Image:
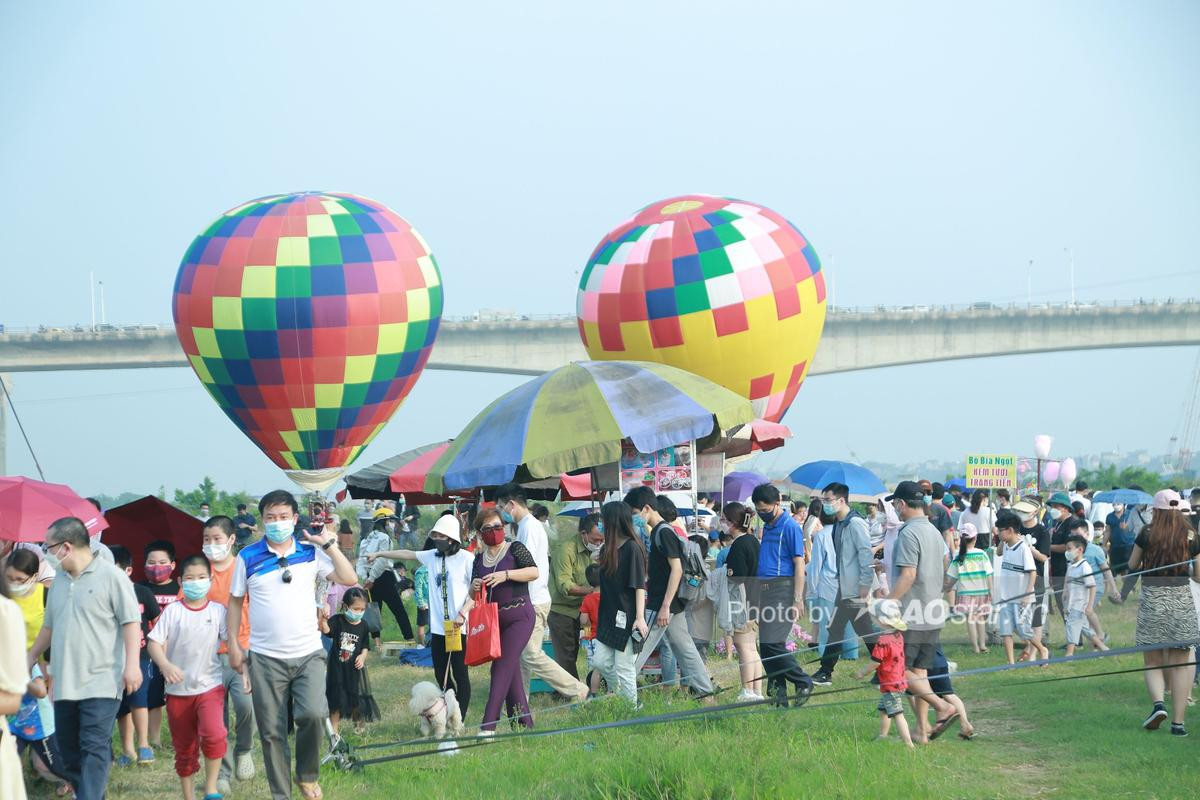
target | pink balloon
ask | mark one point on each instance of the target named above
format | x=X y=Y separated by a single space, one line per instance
x=1041 y=445
x=1050 y=472
x=1067 y=471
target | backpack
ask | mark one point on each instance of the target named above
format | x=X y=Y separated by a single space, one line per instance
x=691 y=585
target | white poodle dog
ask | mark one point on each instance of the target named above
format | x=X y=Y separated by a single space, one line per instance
x=437 y=714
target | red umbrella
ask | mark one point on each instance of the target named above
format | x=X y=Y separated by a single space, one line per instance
x=578 y=487
x=759 y=435
x=137 y=524
x=27 y=507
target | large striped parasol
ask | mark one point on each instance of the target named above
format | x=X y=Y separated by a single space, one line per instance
x=577 y=416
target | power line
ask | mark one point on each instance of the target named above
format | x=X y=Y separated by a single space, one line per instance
x=17 y=417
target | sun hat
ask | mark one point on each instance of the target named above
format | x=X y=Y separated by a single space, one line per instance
x=1059 y=499
x=1026 y=507
x=887 y=612
x=448 y=526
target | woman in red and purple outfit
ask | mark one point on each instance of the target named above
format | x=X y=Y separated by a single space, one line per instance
x=506 y=568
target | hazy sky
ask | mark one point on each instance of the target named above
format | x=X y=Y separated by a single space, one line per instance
x=927 y=150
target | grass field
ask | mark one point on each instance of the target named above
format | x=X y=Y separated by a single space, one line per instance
x=1062 y=739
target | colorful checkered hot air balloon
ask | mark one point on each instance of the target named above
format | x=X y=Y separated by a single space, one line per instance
x=308 y=317
x=722 y=288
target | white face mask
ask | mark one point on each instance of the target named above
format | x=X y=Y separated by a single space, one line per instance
x=593 y=548
x=22 y=589
x=1055 y=514
x=216 y=552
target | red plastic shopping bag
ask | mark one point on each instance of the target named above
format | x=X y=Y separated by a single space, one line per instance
x=483 y=632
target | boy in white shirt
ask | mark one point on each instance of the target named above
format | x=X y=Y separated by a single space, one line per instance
x=1080 y=590
x=1015 y=587
x=184 y=645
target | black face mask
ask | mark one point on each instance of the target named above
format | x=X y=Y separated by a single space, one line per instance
x=446 y=547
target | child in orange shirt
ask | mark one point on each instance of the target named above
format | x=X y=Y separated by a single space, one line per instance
x=589 y=612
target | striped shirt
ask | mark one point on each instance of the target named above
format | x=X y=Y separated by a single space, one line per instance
x=972 y=574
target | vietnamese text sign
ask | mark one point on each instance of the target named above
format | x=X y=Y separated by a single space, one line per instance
x=990 y=471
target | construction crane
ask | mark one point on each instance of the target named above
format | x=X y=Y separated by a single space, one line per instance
x=1182 y=447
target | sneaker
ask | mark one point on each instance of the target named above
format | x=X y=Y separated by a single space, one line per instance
x=145 y=756
x=124 y=761
x=1155 y=719
x=822 y=678
x=748 y=696
x=485 y=734
x=245 y=767
x=1177 y=729
x=223 y=786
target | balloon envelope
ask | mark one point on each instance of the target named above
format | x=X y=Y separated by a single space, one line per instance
x=725 y=289
x=308 y=317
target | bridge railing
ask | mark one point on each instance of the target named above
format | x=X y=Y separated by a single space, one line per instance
x=982 y=307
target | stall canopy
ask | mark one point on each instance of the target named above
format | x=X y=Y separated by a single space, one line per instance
x=137 y=524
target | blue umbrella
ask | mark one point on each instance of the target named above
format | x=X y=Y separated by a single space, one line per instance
x=865 y=486
x=960 y=483
x=1128 y=497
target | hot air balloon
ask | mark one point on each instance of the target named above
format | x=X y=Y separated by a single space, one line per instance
x=725 y=289
x=308 y=317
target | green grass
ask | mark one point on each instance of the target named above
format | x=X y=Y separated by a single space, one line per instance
x=1066 y=739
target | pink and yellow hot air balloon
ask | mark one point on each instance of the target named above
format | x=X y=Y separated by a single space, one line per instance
x=723 y=288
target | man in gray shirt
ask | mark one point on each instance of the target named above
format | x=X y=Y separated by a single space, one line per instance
x=92 y=621
x=920 y=557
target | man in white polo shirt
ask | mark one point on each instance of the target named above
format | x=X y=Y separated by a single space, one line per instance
x=279 y=573
x=510 y=499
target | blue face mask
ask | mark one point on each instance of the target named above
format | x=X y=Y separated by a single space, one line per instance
x=928 y=499
x=828 y=509
x=196 y=588
x=506 y=517
x=280 y=531
x=354 y=616
x=640 y=524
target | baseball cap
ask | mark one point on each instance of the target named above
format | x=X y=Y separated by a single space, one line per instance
x=448 y=526
x=380 y=513
x=1169 y=500
x=906 y=490
x=967 y=530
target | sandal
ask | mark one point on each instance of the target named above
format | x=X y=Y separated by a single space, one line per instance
x=942 y=724
x=967 y=735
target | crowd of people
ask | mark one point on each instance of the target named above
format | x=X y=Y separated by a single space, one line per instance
x=221 y=642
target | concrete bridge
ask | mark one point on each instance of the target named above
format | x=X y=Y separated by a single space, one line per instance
x=854 y=339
